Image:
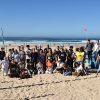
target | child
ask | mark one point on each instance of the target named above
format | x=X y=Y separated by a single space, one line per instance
x=39 y=67
x=5 y=66
x=49 y=66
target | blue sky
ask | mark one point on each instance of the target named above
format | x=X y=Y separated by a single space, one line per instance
x=50 y=18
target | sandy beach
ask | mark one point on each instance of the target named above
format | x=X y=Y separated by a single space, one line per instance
x=50 y=87
x=49 y=50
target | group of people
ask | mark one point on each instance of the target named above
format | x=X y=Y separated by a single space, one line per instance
x=25 y=62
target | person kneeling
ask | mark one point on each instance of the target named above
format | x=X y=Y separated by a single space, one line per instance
x=79 y=71
x=49 y=67
x=59 y=68
x=39 y=67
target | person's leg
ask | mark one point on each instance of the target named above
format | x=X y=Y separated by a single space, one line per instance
x=96 y=54
x=93 y=64
x=39 y=72
x=99 y=67
x=6 y=71
x=42 y=71
x=67 y=73
x=46 y=71
x=50 y=71
x=70 y=63
x=89 y=58
x=55 y=70
x=3 y=71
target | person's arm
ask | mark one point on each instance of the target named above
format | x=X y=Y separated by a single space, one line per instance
x=46 y=57
x=98 y=56
x=86 y=46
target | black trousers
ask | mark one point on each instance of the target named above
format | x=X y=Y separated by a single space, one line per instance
x=90 y=55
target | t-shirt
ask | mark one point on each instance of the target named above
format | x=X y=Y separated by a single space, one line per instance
x=22 y=55
x=62 y=56
x=89 y=46
x=70 y=56
x=34 y=56
x=80 y=56
x=80 y=68
x=16 y=57
x=2 y=55
x=96 y=47
x=41 y=58
x=5 y=64
x=49 y=65
x=28 y=53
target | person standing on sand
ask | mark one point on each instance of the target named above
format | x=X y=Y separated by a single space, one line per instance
x=16 y=56
x=89 y=48
x=95 y=53
x=22 y=54
x=2 y=54
x=98 y=61
x=49 y=65
x=62 y=55
x=5 y=66
x=59 y=67
x=80 y=56
x=39 y=67
x=42 y=59
x=70 y=57
x=28 y=55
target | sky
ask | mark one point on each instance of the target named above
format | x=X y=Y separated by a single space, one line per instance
x=50 y=18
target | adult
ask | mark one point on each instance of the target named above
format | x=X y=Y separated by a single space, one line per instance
x=28 y=54
x=89 y=48
x=70 y=57
x=22 y=54
x=2 y=54
x=62 y=55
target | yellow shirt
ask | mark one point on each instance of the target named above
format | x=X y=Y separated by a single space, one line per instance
x=80 y=56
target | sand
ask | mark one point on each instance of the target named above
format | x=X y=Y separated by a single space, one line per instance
x=50 y=87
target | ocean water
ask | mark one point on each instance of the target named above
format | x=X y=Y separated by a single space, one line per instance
x=40 y=41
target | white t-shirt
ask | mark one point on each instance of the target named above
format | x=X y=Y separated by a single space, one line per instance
x=5 y=64
x=80 y=68
x=96 y=47
x=28 y=53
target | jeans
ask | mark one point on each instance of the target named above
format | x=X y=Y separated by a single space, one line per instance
x=98 y=62
x=94 y=61
x=67 y=73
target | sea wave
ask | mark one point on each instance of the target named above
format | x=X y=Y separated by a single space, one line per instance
x=42 y=42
